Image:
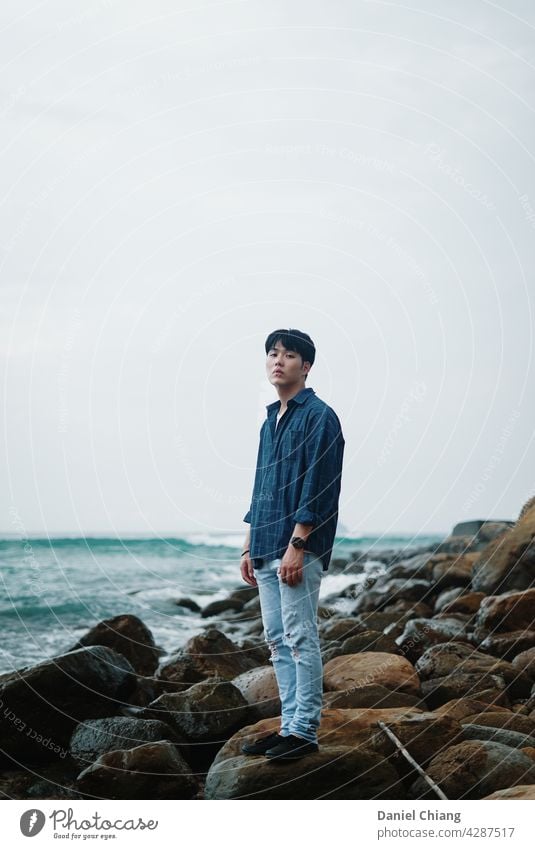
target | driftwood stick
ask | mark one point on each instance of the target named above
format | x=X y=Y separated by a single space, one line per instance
x=411 y=760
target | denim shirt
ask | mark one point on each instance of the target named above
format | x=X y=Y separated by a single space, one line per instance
x=297 y=479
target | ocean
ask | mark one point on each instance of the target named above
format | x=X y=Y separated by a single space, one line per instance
x=55 y=589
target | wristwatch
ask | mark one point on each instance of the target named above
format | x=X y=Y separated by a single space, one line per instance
x=298 y=542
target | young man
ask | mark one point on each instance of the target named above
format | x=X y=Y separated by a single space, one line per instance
x=292 y=518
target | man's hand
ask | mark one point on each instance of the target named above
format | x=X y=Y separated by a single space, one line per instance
x=291 y=568
x=247 y=571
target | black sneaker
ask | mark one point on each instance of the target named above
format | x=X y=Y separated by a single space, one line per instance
x=291 y=748
x=262 y=745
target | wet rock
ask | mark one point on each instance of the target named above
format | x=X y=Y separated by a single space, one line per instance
x=206 y=712
x=97 y=736
x=43 y=703
x=458 y=658
x=150 y=771
x=207 y=655
x=340 y=629
x=393 y=590
x=127 y=635
x=508 y=562
x=349 y=672
x=369 y=641
x=525 y=662
x=221 y=606
x=461 y=602
x=507 y=719
x=508 y=645
x=475 y=768
x=354 y=759
x=370 y=696
x=465 y=707
x=420 y=634
x=476 y=685
x=513 y=611
x=189 y=604
x=259 y=689
x=514 y=739
x=451 y=571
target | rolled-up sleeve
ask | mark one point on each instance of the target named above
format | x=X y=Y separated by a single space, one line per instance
x=247 y=517
x=320 y=487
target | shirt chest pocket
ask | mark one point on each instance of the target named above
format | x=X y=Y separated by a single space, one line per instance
x=293 y=441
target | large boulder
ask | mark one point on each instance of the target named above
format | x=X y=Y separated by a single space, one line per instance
x=97 y=736
x=208 y=711
x=481 y=686
x=455 y=658
x=513 y=611
x=507 y=645
x=473 y=769
x=42 y=704
x=207 y=655
x=260 y=690
x=420 y=634
x=387 y=592
x=508 y=562
x=355 y=760
x=150 y=771
x=127 y=635
x=351 y=671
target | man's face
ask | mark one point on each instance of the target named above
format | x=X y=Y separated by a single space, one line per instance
x=284 y=367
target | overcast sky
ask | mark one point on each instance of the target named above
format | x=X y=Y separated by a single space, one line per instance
x=180 y=178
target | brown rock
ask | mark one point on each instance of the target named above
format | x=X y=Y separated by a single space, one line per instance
x=127 y=635
x=508 y=562
x=502 y=719
x=370 y=641
x=521 y=791
x=525 y=662
x=150 y=771
x=513 y=611
x=370 y=696
x=259 y=689
x=467 y=603
x=461 y=708
x=351 y=671
x=509 y=644
x=452 y=572
x=450 y=659
x=207 y=655
x=475 y=768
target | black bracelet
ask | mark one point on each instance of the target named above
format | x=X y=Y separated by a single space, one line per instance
x=245 y=552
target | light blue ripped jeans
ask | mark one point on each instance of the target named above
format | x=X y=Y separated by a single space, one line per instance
x=289 y=616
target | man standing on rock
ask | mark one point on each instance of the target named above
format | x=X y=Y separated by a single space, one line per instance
x=293 y=517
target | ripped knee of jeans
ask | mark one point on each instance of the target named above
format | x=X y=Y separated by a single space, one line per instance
x=299 y=635
x=273 y=645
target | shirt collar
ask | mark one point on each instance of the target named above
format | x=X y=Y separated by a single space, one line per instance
x=300 y=398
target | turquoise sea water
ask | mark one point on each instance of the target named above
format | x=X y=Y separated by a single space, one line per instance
x=54 y=590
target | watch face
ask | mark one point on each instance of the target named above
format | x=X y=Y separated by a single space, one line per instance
x=297 y=542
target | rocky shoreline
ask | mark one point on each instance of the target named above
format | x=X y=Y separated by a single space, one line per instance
x=429 y=682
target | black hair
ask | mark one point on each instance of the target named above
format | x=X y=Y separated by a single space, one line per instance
x=293 y=340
